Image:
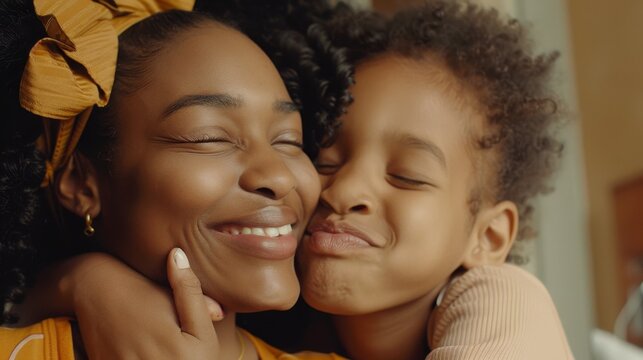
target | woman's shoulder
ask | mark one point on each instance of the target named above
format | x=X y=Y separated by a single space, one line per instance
x=50 y=339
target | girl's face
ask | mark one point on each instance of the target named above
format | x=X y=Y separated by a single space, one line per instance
x=208 y=159
x=394 y=220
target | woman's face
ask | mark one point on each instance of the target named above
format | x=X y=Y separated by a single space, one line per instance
x=393 y=221
x=208 y=159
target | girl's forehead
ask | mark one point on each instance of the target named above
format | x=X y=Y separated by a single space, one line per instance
x=419 y=94
x=402 y=103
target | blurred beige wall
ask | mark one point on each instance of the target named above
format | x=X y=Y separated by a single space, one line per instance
x=607 y=41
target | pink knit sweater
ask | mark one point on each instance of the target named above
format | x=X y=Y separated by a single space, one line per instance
x=496 y=313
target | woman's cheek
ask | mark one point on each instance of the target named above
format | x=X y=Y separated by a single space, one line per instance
x=190 y=183
x=308 y=184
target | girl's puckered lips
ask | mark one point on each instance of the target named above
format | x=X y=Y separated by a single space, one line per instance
x=345 y=234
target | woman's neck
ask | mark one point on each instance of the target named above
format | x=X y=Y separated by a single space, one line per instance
x=395 y=333
x=232 y=343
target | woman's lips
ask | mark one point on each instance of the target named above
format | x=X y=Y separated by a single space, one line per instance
x=266 y=233
x=280 y=247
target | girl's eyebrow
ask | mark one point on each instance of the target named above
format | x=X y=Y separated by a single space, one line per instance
x=425 y=145
x=215 y=100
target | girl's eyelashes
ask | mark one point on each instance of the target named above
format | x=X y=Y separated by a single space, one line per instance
x=409 y=182
x=326 y=168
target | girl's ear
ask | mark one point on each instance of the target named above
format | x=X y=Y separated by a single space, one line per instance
x=77 y=187
x=492 y=235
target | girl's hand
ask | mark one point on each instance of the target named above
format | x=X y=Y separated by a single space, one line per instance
x=123 y=315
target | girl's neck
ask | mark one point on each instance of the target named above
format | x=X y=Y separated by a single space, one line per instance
x=394 y=333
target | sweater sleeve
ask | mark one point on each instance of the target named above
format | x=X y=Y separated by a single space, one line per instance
x=496 y=313
x=50 y=339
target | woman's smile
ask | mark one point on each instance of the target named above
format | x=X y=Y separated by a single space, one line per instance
x=266 y=233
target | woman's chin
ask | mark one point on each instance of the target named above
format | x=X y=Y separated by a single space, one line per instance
x=263 y=295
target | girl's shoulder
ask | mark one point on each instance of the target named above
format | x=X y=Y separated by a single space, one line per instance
x=501 y=308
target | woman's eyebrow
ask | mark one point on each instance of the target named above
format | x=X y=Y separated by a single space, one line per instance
x=214 y=100
x=285 y=107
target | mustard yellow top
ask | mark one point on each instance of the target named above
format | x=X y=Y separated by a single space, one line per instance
x=267 y=352
x=51 y=339
x=46 y=340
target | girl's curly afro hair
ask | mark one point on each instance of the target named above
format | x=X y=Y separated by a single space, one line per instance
x=492 y=57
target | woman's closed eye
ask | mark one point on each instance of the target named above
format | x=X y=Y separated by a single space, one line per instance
x=295 y=143
x=290 y=147
x=202 y=139
x=288 y=141
x=199 y=143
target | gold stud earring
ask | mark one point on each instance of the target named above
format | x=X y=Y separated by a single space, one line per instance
x=89 y=229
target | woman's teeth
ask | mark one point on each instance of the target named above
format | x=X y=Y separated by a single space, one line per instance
x=262 y=231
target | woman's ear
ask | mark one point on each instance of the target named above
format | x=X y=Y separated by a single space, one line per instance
x=492 y=235
x=77 y=187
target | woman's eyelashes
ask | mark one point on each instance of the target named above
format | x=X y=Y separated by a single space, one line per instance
x=293 y=143
x=202 y=139
x=192 y=139
x=288 y=141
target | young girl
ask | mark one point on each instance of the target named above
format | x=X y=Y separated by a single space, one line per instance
x=440 y=155
x=194 y=147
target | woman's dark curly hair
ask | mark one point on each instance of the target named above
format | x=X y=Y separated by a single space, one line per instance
x=492 y=58
x=29 y=236
x=316 y=72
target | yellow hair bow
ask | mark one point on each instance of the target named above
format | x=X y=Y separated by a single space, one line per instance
x=72 y=69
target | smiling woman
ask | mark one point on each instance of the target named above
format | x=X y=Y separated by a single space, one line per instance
x=167 y=188
x=192 y=148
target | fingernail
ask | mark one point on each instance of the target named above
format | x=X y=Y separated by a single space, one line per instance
x=215 y=312
x=180 y=259
x=214 y=309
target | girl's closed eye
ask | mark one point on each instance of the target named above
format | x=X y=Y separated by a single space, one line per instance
x=326 y=168
x=410 y=181
x=328 y=161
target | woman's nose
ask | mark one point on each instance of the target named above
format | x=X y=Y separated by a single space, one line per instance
x=267 y=174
